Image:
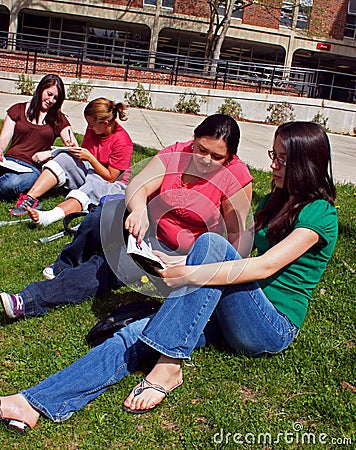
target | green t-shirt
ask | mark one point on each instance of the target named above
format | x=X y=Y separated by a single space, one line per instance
x=291 y=288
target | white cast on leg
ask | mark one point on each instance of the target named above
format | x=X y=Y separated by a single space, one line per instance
x=45 y=218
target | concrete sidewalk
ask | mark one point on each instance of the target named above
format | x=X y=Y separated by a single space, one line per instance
x=158 y=129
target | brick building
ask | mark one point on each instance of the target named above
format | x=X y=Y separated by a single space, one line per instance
x=299 y=33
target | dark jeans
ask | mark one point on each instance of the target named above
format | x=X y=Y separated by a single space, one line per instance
x=86 y=243
x=94 y=263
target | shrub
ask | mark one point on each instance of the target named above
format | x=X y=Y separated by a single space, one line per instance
x=188 y=103
x=79 y=91
x=25 y=84
x=280 y=113
x=321 y=119
x=231 y=108
x=138 y=98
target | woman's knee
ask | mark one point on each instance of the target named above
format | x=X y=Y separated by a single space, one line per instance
x=209 y=248
x=56 y=170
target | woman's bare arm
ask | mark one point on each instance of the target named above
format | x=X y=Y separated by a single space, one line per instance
x=247 y=269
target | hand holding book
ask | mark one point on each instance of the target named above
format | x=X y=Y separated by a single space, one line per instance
x=143 y=256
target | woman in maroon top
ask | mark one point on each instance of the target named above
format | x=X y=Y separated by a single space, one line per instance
x=32 y=128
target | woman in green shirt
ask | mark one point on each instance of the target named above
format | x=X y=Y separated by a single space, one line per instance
x=256 y=305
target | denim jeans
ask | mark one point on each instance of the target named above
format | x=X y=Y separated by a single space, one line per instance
x=189 y=318
x=99 y=231
x=85 y=244
x=93 y=264
x=12 y=184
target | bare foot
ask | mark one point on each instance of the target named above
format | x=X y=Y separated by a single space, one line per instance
x=33 y=213
x=167 y=373
x=16 y=407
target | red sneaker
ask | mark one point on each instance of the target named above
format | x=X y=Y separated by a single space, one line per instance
x=23 y=202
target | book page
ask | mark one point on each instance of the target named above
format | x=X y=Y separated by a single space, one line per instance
x=143 y=256
x=14 y=166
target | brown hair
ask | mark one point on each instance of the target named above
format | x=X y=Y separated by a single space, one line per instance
x=52 y=116
x=102 y=109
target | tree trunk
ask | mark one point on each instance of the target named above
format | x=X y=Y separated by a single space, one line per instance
x=220 y=38
x=227 y=22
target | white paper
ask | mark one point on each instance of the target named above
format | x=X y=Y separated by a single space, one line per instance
x=143 y=250
x=14 y=166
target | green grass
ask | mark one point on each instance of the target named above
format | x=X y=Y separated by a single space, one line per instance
x=302 y=387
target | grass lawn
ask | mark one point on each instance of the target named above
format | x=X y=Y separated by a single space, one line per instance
x=301 y=398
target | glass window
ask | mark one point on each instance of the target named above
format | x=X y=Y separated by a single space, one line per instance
x=352 y=6
x=165 y=3
x=4 y=20
x=301 y=9
x=304 y=12
x=237 y=12
x=168 y=3
x=350 y=26
x=34 y=22
x=286 y=18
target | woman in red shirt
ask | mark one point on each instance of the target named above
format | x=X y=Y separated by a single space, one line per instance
x=101 y=166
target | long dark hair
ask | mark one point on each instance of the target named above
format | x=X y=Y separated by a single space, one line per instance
x=308 y=177
x=221 y=126
x=52 y=116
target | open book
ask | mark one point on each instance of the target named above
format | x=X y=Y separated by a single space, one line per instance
x=55 y=150
x=14 y=166
x=143 y=256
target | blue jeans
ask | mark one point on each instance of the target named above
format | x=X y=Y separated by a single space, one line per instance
x=190 y=317
x=85 y=244
x=93 y=264
x=12 y=184
x=101 y=228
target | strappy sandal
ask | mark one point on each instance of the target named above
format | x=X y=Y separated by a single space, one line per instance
x=145 y=384
x=14 y=424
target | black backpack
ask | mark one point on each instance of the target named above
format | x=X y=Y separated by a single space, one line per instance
x=119 y=318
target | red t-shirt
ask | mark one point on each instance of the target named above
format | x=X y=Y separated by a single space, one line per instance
x=30 y=138
x=185 y=211
x=114 y=150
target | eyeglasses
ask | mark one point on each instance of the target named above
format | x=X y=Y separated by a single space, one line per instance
x=273 y=157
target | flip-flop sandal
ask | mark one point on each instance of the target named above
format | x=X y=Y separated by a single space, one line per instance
x=145 y=384
x=14 y=424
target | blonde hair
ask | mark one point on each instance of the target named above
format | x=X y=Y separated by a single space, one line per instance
x=102 y=109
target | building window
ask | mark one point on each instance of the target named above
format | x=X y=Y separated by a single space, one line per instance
x=296 y=10
x=165 y=3
x=350 y=26
x=286 y=18
x=67 y=37
x=237 y=12
x=304 y=12
x=352 y=7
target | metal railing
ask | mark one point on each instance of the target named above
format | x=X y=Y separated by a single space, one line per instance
x=222 y=74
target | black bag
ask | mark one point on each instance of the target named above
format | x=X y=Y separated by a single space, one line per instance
x=119 y=318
